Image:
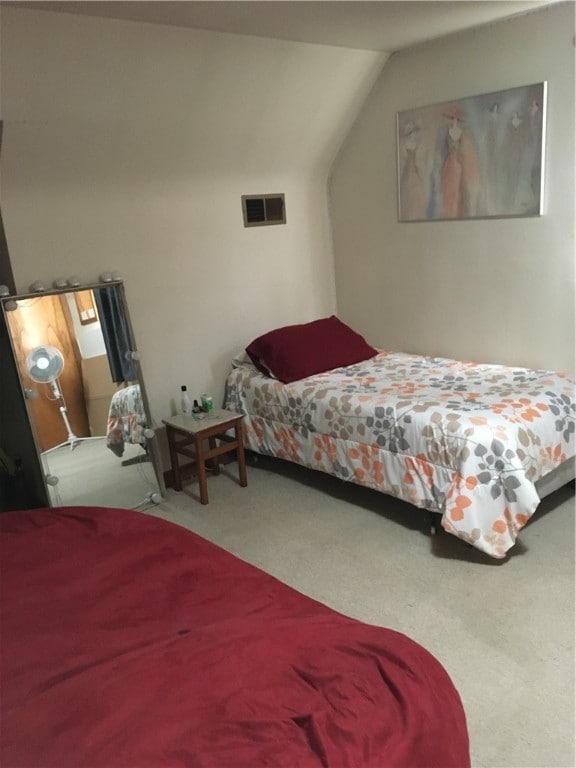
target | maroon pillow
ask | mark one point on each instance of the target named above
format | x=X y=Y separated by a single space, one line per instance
x=296 y=351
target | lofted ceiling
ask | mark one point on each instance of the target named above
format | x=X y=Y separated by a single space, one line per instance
x=381 y=25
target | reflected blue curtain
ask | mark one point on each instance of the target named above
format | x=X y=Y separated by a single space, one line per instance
x=116 y=333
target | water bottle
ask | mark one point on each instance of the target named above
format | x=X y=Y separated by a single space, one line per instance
x=185 y=403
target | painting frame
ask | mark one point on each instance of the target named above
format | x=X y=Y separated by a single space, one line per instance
x=477 y=157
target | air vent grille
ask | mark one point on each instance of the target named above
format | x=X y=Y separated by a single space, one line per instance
x=260 y=210
x=255 y=210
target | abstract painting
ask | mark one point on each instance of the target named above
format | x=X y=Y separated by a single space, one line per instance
x=477 y=157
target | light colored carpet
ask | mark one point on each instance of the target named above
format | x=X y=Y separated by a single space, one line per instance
x=504 y=630
x=92 y=475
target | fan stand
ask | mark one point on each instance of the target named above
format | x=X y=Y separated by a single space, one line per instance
x=72 y=440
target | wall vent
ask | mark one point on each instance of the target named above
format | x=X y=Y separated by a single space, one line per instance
x=261 y=210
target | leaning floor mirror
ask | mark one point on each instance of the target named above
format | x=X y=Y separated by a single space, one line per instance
x=85 y=397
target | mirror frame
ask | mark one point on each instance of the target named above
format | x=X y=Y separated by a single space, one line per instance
x=152 y=445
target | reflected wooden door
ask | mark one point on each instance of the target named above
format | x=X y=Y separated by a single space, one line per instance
x=40 y=321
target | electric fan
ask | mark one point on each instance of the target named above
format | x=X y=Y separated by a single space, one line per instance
x=44 y=365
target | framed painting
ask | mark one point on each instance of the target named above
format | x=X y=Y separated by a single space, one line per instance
x=477 y=157
x=86 y=307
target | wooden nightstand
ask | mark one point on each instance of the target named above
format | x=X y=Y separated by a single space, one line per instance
x=187 y=436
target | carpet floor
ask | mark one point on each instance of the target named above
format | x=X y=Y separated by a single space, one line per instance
x=92 y=475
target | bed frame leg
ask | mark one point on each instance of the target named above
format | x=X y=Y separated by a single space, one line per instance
x=434 y=521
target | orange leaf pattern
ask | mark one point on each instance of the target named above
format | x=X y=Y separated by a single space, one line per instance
x=467 y=440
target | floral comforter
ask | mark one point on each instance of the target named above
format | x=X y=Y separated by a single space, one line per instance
x=126 y=419
x=467 y=440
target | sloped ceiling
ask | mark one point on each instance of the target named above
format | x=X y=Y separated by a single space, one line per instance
x=386 y=25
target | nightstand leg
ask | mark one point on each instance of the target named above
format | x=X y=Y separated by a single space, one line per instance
x=215 y=462
x=240 y=455
x=174 y=459
x=201 y=467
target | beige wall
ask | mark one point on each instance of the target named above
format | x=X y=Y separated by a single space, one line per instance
x=127 y=147
x=491 y=290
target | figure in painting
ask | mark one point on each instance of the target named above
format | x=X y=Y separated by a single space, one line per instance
x=494 y=171
x=511 y=156
x=524 y=159
x=460 y=184
x=412 y=181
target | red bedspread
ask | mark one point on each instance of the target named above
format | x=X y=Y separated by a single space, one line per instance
x=129 y=642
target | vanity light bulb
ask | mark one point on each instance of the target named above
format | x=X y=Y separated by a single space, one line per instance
x=60 y=282
x=73 y=281
x=51 y=480
x=4 y=290
x=116 y=275
x=106 y=277
x=37 y=287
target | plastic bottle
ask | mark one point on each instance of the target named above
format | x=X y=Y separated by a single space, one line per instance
x=185 y=403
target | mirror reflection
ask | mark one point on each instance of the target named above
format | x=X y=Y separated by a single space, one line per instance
x=85 y=396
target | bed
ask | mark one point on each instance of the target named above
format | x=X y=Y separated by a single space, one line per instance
x=130 y=642
x=478 y=444
x=126 y=419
